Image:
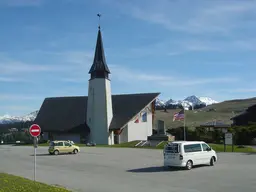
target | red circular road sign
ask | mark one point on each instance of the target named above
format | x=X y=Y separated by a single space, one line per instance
x=34 y=130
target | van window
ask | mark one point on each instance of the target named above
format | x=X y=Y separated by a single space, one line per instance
x=205 y=146
x=172 y=148
x=192 y=148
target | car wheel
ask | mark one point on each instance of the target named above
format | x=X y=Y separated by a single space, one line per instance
x=212 y=161
x=189 y=165
x=56 y=152
x=75 y=151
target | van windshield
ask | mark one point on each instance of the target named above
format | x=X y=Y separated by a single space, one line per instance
x=172 y=148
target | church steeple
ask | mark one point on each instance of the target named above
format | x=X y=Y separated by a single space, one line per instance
x=99 y=68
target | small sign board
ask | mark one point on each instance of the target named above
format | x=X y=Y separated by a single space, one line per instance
x=228 y=139
x=34 y=130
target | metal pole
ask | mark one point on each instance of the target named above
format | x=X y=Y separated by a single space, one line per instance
x=35 y=140
x=184 y=125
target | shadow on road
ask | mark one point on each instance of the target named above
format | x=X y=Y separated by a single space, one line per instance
x=161 y=169
x=47 y=154
x=153 y=169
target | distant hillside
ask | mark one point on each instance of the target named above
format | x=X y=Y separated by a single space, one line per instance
x=220 y=111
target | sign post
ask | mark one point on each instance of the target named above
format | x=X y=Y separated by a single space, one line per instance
x=35 y=131
x=228 y=141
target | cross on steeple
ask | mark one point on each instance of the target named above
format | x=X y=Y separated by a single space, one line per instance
x=99 y=15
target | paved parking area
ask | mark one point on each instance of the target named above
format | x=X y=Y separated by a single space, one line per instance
x=126 y=170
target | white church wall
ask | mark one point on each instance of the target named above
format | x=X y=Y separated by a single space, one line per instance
x=99 y=110
x=124 y=135
x=140 y=130
x=111 y=138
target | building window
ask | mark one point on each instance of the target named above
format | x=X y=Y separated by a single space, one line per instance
x=144 y=117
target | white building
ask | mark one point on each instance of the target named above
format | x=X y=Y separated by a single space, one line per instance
x=101 y=117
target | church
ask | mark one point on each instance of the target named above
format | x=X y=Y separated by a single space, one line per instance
x=100 y=117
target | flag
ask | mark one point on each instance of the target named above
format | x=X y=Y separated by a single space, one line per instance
x=179 y=116
x=144 y=117
x=137 y=120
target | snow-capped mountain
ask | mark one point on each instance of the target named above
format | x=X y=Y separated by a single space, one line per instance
x=207 y=100
x=194 y=100
x=14 y=119
x=188 y=102
x=160 y=103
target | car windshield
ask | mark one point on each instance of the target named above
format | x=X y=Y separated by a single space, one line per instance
x=172 y=148
x=52 y=144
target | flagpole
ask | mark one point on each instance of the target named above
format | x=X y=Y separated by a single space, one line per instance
x=184 y=121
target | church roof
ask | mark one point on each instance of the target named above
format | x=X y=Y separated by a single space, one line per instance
x=99 y=62
x=65 y=113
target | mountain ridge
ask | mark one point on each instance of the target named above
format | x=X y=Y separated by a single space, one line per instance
x=188 y=103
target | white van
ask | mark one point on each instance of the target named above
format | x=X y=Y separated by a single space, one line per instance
x=188 y=153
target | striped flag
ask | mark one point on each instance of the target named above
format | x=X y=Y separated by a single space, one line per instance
x=179 y=115
x=137 y=120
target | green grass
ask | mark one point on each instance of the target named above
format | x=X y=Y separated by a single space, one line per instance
x=223 y=111
x=220 y=148
x=216 y=147
x=11 y=183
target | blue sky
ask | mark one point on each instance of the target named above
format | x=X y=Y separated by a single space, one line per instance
x=179 y=48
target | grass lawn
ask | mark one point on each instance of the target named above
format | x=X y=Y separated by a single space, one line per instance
x=220 y=148
x=11 y=183
x=216 y=147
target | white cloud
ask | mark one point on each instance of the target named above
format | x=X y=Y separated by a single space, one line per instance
x=188 y=45
x=130 y=76
x=243 y=90
x=189 y=16
x=14 y=67
x=79 y=57
x=21 y=3
x=65 y=62
x=18 y=108
x=18 y=97
x=8 y=79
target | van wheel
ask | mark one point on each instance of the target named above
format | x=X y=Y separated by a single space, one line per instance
x=212 y=161
x=75 y=151
x=56 y=152
x=189 y=165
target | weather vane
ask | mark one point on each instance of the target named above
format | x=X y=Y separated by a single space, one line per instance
x=99 y=15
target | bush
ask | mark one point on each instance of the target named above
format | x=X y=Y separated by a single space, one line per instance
x=242 y=135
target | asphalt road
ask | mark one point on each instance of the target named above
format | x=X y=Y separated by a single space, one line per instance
x=126 y=170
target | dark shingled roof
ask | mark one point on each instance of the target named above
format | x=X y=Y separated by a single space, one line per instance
x=216 y=124
x=251 y=109
x=99 y=62
x=66 y=113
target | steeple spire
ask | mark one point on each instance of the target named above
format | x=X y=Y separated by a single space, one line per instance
x=99 y=68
